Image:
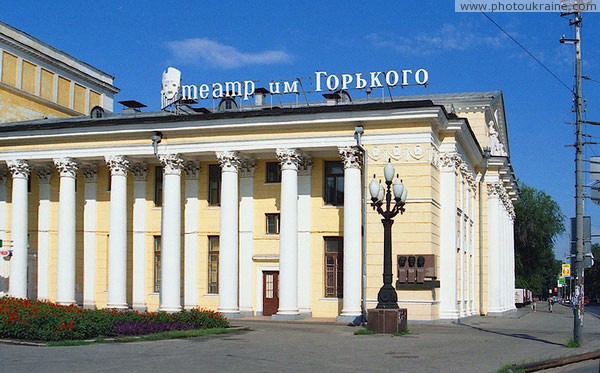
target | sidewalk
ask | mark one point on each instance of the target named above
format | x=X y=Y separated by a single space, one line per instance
x=479 y=344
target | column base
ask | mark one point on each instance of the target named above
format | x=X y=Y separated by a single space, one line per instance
x=169 y=309
x=288 y=315
x=88 y=305
x=449 y=315
x=140 y=307
x=65 y=302
x=231 y=315
x=307 y=313
x=117 y=306
x=246 y=312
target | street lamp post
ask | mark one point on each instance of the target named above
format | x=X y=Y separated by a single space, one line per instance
x=381 y=201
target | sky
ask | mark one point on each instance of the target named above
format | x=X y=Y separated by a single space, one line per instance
x=212 y=41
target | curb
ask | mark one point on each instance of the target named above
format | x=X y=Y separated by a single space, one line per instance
x=19 y=342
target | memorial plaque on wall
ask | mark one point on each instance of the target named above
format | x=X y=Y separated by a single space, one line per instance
x=416 y=269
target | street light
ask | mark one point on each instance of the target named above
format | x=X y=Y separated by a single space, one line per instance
x=380 y=199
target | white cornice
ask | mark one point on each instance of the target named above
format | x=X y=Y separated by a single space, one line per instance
x=314 y=143
x=175 y=127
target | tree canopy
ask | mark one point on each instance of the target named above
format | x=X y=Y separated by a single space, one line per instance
x=539 y=221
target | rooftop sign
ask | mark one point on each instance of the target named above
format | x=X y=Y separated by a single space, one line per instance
x=173 y=91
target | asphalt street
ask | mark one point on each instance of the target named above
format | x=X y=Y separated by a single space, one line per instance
x=479 y=344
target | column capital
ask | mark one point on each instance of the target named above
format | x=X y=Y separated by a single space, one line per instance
x=67 y=166
x=449 y=161
x=139 y=171
x=352 y=156
x=19 y=168
x=292 y=159
x=494 y=189
x=43 y=173
x=172 y=164
x=118 y=164
x=192 y=169
x=230 y=160
x=90 y=172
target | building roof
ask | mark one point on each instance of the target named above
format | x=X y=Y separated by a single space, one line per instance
x=46 y=52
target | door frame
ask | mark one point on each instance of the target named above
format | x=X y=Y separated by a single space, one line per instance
x=259 y=286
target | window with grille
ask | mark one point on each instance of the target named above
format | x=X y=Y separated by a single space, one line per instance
x=157 y=247
x=334 y=267
x=213 y=264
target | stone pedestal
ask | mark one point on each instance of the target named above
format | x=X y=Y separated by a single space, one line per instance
x=387 y=321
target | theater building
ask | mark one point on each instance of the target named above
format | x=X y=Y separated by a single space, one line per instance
x=260 y=210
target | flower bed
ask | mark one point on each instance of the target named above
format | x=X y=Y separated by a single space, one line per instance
x=45 y=321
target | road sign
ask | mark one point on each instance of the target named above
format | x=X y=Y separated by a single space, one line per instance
x=566 y=270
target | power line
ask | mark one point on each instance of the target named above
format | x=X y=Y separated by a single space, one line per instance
x=528 y=52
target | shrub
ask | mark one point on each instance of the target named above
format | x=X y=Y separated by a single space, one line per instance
x=38 y=320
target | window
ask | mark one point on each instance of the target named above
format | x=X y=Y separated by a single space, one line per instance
x=157 y=245
x=214 y=185
x=213 y=264
x=272 y=223
x=273 y=172
x=334 y=267
x=158 y=186
x=334 y=183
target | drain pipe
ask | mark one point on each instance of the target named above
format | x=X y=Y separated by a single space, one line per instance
x=486 y=156
x=358 y=132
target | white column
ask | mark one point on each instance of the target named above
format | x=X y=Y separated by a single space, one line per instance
x=448 y=239
x=228 y=236
x=20 y=171
x=43 y=173
x=190 y=256
x=246 y=173
x=304 y=244
x=288 y=235
x=90 y=176
x=139 y=170
x=170 y=271
x=4 y=264
x=494 y=255
x=474 y=255
x=65 y=272
x=117 y=240
x=352 y=158
x=511 y=235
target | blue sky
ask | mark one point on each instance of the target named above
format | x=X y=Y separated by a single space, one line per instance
x=263 y=40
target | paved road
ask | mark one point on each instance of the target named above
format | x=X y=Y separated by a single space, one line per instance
x=480 y=344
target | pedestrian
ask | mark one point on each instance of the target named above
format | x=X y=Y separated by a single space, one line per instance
x=534 y=305
x=550 y=303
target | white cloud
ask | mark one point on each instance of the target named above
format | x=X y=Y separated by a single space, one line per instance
x=449 y=37
x=212 y=53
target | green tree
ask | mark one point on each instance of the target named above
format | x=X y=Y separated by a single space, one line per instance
x=539 y=221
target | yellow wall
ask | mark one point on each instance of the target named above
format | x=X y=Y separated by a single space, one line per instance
x=38 y=94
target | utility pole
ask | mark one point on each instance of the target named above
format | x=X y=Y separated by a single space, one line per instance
x=577 y=258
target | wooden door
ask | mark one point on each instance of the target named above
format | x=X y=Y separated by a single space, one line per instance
x=270 y=292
